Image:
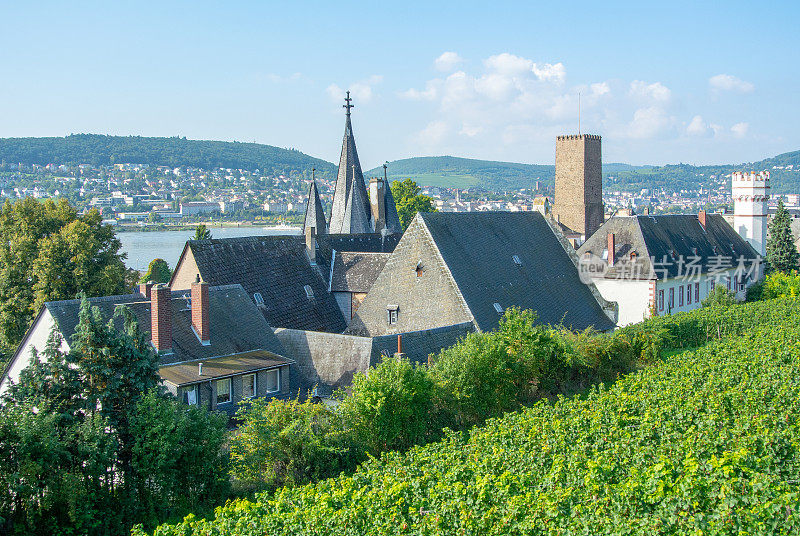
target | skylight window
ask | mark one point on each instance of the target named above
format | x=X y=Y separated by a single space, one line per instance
x=498 y=308
x=309 y=291
x=516 y=260
x=258 y=298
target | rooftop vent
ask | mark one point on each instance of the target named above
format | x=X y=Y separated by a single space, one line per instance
x=309 y=291
x=516 y=260
x=498 y=308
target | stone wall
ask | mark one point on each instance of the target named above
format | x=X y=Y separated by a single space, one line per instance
x=579 y=183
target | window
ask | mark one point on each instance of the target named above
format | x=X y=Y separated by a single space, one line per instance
x=671 y=302
x=728 y=282
x=689 y=294
x=742 y=281
x=223 y=391
x=660 y=300
x=713 y=284
x=191 y=395
x=498 y=308
x=516 y=260
x=391 y=314
x=696 y=292
x=309 y=291
x=258 y=298
x=273 y=381
x=680 y=296
x=248 y=386
x=419 y=269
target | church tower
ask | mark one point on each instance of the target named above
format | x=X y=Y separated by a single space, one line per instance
x=750 y=196
x=315 y=214
x=578 y=203
x=350 y=210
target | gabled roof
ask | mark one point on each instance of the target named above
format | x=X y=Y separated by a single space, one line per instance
x=277 y=268
x=479 y=249
x=315 y=214
x=235 y=323
x=672 y=240
x=390 y=211
x=356 y=272
x=364 y=243
x=350 y=211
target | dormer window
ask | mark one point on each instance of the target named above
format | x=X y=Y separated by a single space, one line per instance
x=391 y=314
x=259 y=299
x=309 y=291
x=418 y=269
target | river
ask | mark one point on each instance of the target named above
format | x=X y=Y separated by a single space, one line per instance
x=143 y=247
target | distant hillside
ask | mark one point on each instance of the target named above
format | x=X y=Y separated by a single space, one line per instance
x=451 y=172
x=174 y=152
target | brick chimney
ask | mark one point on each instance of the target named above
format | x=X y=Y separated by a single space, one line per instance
x=144 y=289
x=611 y=249
x=311 y=245
x=702 y=217
x=200 y=311
x=161 y=318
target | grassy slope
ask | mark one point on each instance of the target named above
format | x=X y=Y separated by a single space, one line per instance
x=707 y=441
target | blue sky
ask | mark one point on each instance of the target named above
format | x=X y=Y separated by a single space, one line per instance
x=696 y=82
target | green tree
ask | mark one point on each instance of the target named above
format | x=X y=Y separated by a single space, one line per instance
x=409 y=201
x=782 y=254
x=158 y=271
x=719 y=296
x=154 y=217
x=49 y=252
x=202 y=233
x=391 y=408
x=286 y=442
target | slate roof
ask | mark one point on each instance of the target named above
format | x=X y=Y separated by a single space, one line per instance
x=356 y=272
x=221 y=367
x=667 y=239
x=478 y=249
x=364 y=243
x=350 y=212
x=235 y=323
x=315 y=214
x=276 y=267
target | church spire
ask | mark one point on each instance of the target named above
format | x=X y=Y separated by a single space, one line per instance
x=315 y=214
x=350 y=208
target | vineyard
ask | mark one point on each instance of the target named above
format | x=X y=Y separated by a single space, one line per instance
x=704 y=442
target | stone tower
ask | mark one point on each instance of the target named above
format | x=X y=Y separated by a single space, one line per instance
x=750 y=196
x=578 y=201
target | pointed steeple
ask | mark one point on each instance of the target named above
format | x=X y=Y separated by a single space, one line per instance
x=392 y=218
x=315 y=214
x=347 y=215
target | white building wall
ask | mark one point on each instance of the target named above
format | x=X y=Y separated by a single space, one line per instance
x=632 y=296
x=750 y=192
x=36 y=338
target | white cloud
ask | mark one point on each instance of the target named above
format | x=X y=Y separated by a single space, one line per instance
x=430 y=92
x=698 y=127
x=433 y=134
x=600 y=88
x=648 y=123
x=550 y=72
x=361 y=90
x=447 y=61
x=509 y=64
x=740 y=129
x=655 y=91
x=727 y=82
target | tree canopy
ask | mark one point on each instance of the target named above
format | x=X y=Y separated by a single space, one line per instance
x=782 y=254
x=158 y=272
x=50 y=252
x=202 y=232
x=409 y=201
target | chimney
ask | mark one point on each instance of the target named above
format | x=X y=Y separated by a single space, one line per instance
x=200 y=369
x=399 y=344
x=311 y=245
x=377 y=198
x=161 y=318
x=145 y=288
x=702 y=217
x=200 y=311
x=611 y=249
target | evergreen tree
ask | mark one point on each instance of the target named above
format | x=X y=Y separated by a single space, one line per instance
x=202 y=233
x=782 y=254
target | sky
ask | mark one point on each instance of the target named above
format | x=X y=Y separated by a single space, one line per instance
x=668 y=82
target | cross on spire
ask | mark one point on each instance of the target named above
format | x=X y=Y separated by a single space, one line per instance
x=347 y=104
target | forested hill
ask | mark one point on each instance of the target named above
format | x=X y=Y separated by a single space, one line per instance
x=449 y=171
x=97 y=149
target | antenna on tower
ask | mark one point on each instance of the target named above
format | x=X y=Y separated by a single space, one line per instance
x=579 y=113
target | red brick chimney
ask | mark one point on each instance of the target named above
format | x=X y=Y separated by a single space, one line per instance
x=611 y=249
x=144 y=289
x=200 y=314
x=161 y=318
x=702 y=217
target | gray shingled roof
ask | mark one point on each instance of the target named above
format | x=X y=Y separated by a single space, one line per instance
x=356 y=272
x=315 y=214
x=221 y=367
x=350 y=192
x=478 y=249
x=667 y=239
x=235 y=323
x=276 y=267
x=365 y=243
